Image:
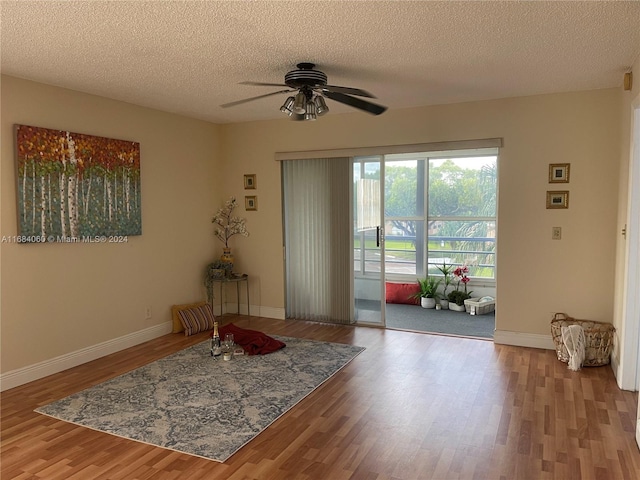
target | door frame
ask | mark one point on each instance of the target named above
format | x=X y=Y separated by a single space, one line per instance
x=380 y=237
x=630 y=371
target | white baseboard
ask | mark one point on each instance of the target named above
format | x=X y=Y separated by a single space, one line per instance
x=28 y=374
x=519 y=339
x=617 y=372
x=270 y=312
x=256 y=310
x=622 y=381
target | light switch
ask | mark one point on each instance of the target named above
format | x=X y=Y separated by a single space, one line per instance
x=556 y=233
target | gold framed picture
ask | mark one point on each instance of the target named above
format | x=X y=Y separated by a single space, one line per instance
x=251 y=203
x=559 y=172
x=558 y=199
x=250 y=181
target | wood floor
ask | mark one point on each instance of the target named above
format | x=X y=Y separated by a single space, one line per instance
x=411 y=406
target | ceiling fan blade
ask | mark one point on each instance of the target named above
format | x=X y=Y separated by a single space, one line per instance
x=238 y=102
x=262 y=84
x=347 y=90
x=356 y=102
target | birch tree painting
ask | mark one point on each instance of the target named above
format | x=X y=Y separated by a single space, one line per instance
x=72 y=185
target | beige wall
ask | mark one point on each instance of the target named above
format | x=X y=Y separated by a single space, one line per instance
x=536 y=275
x=60 y=298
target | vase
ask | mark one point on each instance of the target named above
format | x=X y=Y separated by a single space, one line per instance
x=428 y=302
x=455 y=307
x=227 y=257
x=444 y=304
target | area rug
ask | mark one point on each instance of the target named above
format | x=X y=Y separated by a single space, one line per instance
x=195 y=404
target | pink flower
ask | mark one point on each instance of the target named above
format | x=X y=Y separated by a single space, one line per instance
x=461 y=274
x=461 y=271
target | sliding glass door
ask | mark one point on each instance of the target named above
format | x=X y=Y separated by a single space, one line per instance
x=407 y=214
x=368 y=240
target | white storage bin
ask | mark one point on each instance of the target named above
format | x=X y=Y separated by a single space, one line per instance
x=480 y=307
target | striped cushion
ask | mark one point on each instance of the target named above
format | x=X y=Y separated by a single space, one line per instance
x=196 y=319
x=177 y=323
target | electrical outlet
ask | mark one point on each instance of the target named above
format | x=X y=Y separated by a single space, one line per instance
x=147 y=313
x=556 y=233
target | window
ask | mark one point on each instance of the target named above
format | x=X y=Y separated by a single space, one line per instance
x=439 y=207
x=462 y=214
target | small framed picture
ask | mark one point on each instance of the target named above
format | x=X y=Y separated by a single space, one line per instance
x=250 y=181
x=558 y=199
x=251 y=203
x=559 y=172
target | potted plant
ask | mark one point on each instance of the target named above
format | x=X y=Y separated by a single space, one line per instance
x=446 y=271
x=428 y=293
x=227 y=226
x=457 y=297
x=215 y=272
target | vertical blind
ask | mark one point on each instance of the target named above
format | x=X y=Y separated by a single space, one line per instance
x=317 y=239
x=368 y=215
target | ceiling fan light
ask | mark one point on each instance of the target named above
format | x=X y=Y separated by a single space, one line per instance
x=310 y=113
x=321 y=105
x=287 y=106
x=300 y=103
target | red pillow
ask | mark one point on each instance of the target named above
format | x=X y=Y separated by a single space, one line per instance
x=402 y=293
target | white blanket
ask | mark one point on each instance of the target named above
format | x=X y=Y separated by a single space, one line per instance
x=573 y=338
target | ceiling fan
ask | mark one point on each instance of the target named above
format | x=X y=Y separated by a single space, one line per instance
x=311 y=86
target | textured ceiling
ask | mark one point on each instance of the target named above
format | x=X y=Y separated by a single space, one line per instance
x=188 y=57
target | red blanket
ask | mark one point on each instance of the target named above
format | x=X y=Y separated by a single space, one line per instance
x=253 y=342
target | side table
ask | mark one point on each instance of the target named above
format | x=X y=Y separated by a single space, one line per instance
x=236 y=278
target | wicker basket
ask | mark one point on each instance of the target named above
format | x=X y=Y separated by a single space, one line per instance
x=598 y=337
x=480 y=307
